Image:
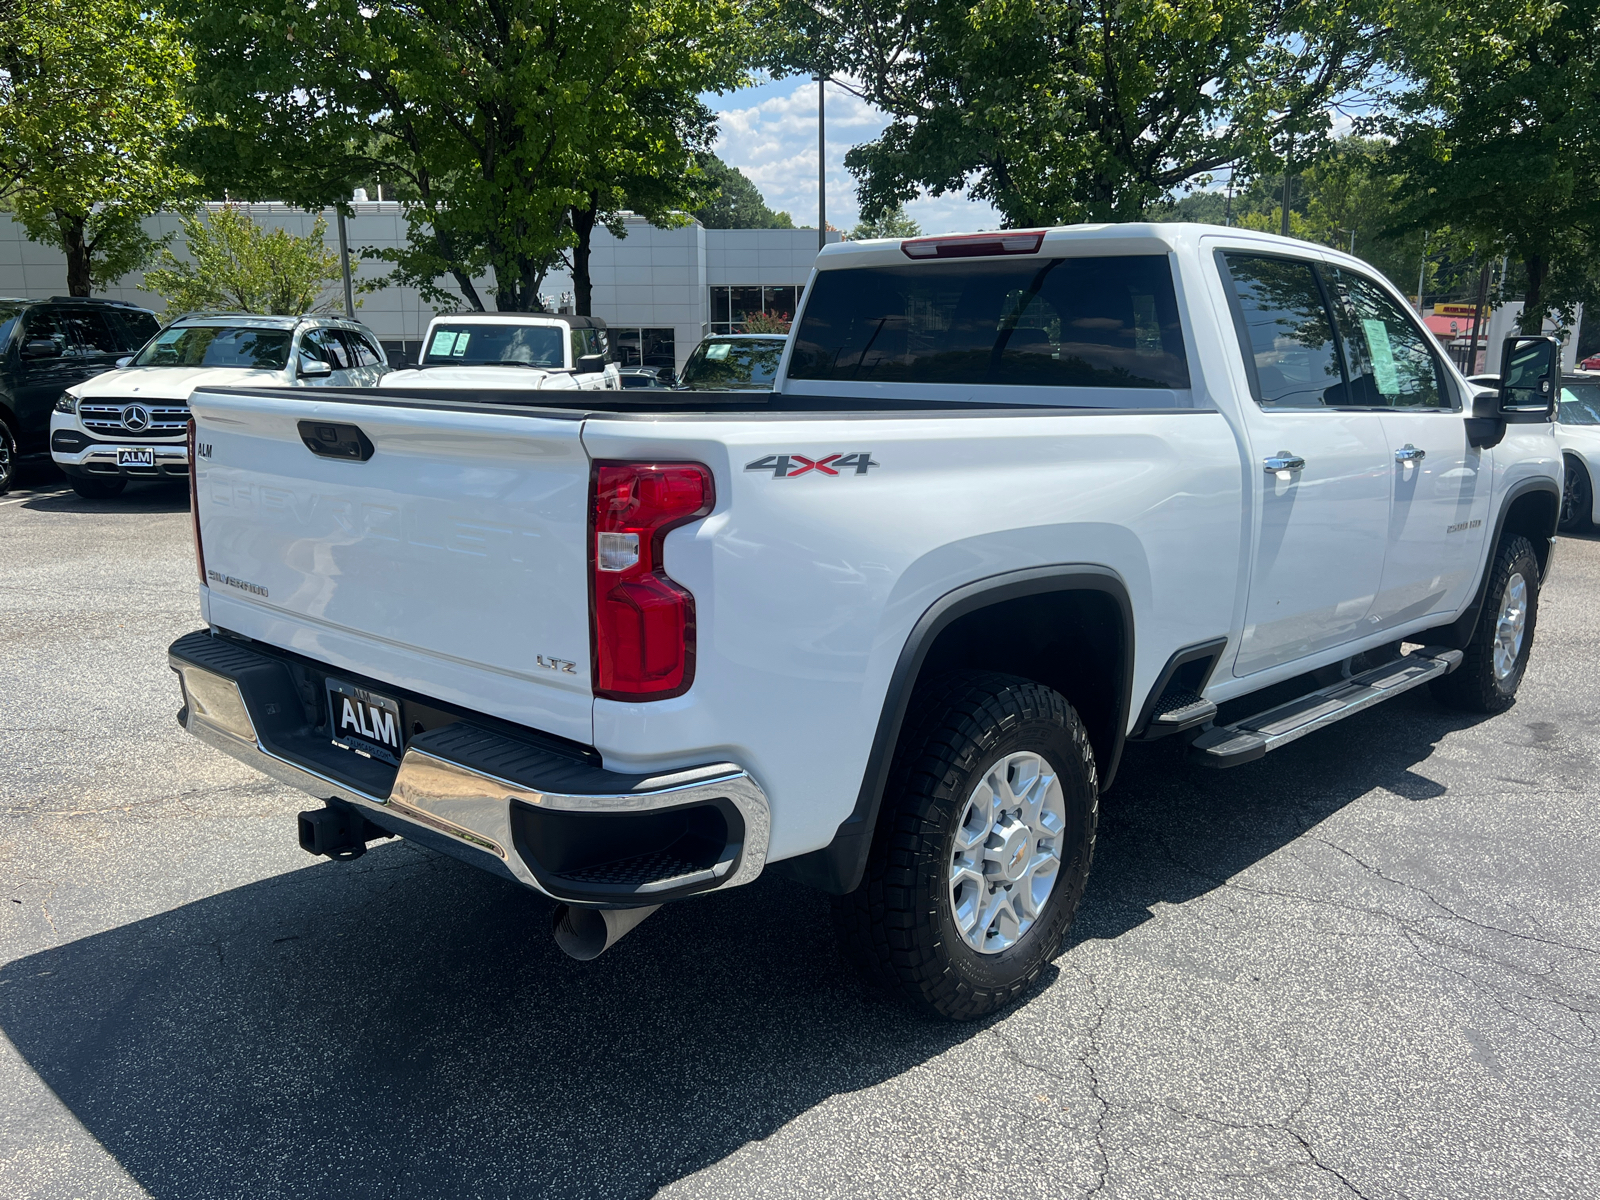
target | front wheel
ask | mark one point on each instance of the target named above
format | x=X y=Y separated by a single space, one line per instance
x=1495 y=659
x=8 y=458
x=1577 y=498
x=983 y=849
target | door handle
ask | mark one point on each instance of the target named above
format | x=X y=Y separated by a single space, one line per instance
x=1409 y=453
x=1282 y=461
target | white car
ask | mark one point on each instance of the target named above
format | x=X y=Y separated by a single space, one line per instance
x=1578 y=433
x=132 y=422
x=1015 y=500
x=512 y=352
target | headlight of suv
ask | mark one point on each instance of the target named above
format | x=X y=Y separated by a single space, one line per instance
x=68 y=403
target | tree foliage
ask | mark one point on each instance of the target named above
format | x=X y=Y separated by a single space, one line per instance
x=1500 y=138
x=736 y=204
x=505 y=125
x=892 y=223
x=235 y=265
x=1058 y=111
x=90 y=94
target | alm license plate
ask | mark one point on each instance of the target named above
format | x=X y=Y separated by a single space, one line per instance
x=365 y=721
x=136 y=458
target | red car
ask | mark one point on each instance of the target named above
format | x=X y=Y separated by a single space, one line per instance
x=1592 y=363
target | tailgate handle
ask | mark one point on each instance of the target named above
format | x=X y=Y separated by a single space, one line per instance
x=329 y=439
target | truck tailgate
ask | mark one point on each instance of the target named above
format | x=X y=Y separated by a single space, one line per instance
x=452 y=561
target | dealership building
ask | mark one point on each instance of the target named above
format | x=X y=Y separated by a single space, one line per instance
x=659 y=290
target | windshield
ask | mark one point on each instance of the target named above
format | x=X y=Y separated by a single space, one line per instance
x=720 y=365
x=1580 y=404
x=217 y=346
x=494 y=345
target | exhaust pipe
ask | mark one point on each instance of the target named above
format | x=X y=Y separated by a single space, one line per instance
x=587 y=933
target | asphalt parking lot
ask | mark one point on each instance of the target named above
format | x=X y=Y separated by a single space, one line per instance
x=1365 y=966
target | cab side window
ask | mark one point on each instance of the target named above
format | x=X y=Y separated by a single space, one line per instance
x=575 y=344
x=324 y=344
x=1285 y=330
x=1388 y=357
x=360 y=351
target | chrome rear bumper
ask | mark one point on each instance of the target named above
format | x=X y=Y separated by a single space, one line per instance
x=478 y=794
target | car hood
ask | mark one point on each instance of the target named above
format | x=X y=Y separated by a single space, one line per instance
x=493 y=378
x=173 y=383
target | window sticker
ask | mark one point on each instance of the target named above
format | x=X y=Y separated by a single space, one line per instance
x=718 y=350
x=1382 y=354
x=462 y=339
x=443 y=339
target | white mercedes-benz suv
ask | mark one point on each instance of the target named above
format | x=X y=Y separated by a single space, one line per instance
x=132 y=423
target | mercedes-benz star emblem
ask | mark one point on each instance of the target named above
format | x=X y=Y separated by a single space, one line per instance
x=136 y=417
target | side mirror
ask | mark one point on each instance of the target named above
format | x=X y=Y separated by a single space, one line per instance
x=314 y=368
x=591 y=362
x=1530 y=369
x=125 y=360
x=41 y=348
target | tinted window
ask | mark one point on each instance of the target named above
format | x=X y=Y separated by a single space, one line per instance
x=92 y=330
x=42 y=324
x=362 y=352
x=1579 y=404
x=137 y=328
x=723 y=364
x=327 y=345
x=1288 y=337
x=1058 y=322
x=1386 y=354
x=8 y=322
x=217 y=346
x=478 y=345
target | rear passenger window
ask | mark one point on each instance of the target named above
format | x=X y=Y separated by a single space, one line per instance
x=1387 y=355
x=137 y=329
x=326 y=345
x=360 y=351
x=93 y=331
x=1287 y=336
x=1055 y=322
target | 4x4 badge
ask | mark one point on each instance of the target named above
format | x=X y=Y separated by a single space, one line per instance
x=788 y=466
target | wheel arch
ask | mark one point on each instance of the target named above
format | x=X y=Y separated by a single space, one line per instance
x=1531 y=509
x=1020 y=623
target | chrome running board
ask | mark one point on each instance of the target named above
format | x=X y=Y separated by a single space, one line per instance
x=1247 y=740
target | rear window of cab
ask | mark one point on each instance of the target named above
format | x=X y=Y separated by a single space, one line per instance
x=1108 y=322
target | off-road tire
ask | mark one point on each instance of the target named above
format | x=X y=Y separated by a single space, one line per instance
x=1474 y=686
x=897 y=926
x=98 y=489
x=1577 y=498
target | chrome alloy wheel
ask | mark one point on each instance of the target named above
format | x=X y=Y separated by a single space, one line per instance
x=1007 y=852
x=1511 y=626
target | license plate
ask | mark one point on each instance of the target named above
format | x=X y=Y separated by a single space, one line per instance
x=366 y=722
x=136 y=458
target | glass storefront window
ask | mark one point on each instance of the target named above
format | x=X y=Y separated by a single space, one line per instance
x=732 y=307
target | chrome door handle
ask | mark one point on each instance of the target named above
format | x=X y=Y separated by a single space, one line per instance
x=1409 y=453
x=1282 y=461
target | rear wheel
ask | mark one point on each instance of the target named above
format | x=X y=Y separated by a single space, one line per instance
x=1495 y=659
x=983 y=848
x=8 y=458
x=1577 y=498
x=98 y=489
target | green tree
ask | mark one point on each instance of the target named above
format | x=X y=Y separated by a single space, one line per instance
x=892 y=223
x=90 y=95
x=1501 y=138
x=496 y=121
x=737 y=204
x=1058 y=111
x=236 y=265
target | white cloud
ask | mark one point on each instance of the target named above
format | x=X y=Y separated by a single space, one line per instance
x=770 y=133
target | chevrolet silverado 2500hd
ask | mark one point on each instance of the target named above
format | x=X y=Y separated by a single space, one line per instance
x=1016 y=500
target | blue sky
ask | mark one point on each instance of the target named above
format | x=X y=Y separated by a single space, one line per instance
x=770 y=133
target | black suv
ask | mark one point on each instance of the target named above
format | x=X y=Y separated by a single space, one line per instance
x=46 y=346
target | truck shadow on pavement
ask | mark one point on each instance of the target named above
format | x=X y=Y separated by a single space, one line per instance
x=404 y=1026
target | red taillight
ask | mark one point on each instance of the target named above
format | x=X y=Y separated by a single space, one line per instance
x=194 y=504
x=975 y=245
x=643 y=621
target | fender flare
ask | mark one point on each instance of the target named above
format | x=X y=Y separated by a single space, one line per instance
x=1458 y=634
x=839 y=866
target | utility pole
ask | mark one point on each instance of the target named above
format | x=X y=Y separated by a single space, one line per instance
x=822 y=161
x=1288 y=178
x=344 y=266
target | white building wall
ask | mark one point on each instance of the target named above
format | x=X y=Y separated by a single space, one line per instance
x=651 y=279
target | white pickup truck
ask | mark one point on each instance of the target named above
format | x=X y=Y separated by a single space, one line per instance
x=516 y=351
x=1017 y=499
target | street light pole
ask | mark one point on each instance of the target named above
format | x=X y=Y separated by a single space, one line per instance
x=344 y=266
x=822 y=162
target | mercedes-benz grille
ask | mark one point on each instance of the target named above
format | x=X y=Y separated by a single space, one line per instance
x=134 y=418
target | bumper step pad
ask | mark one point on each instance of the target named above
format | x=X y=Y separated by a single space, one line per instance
x=1247 y=740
